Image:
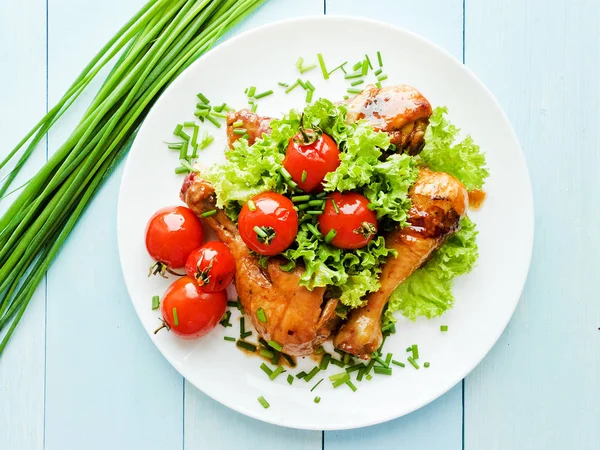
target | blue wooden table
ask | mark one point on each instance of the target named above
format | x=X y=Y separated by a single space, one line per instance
x=82 y=374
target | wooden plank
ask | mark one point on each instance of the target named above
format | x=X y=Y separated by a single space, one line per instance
x=107 y=385
x=22 y=103
x=539 y=387
x=207 y=423
x=441 y=22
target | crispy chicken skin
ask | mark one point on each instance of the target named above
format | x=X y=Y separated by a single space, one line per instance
x=254 y=125
x=401 y=111
x=297 y=318
x=439 y=201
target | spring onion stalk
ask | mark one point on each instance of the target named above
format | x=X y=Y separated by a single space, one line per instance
x=155 y=46
x=265 y=404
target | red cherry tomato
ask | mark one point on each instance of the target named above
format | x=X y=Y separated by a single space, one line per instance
x=354 y=223
x=172 y=234
x=268 y=223
x=212 y=266
x=190 y=312
x=309 y=157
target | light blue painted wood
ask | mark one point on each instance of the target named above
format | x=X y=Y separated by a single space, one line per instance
x=209 y=425
x=107 y=385
x=539 y=387
x=23 y=102
x=438 y=425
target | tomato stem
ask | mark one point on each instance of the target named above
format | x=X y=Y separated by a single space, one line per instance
x=162 y=325
x=161 y=268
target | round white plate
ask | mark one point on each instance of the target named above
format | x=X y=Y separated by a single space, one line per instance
x=485 y=299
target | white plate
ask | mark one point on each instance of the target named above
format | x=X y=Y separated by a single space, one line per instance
x=485 y=299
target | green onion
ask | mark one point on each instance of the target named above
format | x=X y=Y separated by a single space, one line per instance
x=239 y=131
x=266 y=353
x=246 y=334
x=299 y=62
x=355 y=367
x=225 y=320
x=415 y=351
x=283 y=84
x=202 y=106
x=357 y=66
x=301 y=83
x=369 y=377
x=398 y=363
x=242 y=326
x=310 y=375
x=315 y=386
x=237 y=123
x=229 y=338
x=258 y=230
x=307 y=68
x=443 y=328
x=183 y=135
x=388 y=359
x=379 y=59
x=290 y=379
x=260 y=313
x=219 y=115
x=309 y=96
x=341 y=66
x=353 y=91
x=368 y=61
x=178 y=129
x=318 y=202
x=365 y=67
x=246 y=345
x=413 y=362
x=336 y=362
x=301 y=375
x=382 y=77
x=351 y=385
x=276 y=345
x=207 y=139
x=426 y=364
x=175 y=317
x=361 y=374
x=214 y=121
x=206 y=214
x=317 y=399
x=155 y=302
x=378 y=84
x=251 y=205
x=263 y=94
x=382 y=370
x=323 y=67
x=380 y=361
x=291 y=88
x=220 y=108
x=350 y=76
x=232 y=304
x=342 y=376
x=314 y=230
x=245 y=136
x=289 y=359
x=276 y=373
x=378 y=71
x=309 y=85
x=203 y=98
x=335 y=206
x=179 y=170
x=285 y=173
x=175 y=146
x=357 y=82
x=369 y=366
x=330 y=235
x=254 y=107
x=251 y=91
x=300 y=198
x=319 y=350
x=324 y=361
x=409 y=348
x=263 y=402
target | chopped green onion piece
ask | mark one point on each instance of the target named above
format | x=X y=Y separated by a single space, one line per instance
x=291 y=88
x=309 y=96
x=229 y=338
x=301 y=375
x=444 y=328
x=203 y=98
x=259 y=231
x=212 y=212
x=361 y=374
x=178 y=129
x=413 y=362
x=378 y=84
x=309 y=85
x=388 y=359
x=201 y=113
x=369 y=61
x=350 y=76
x=204 y=107
x=276 y=372
x=263 y=94
x=310 y=375
x=415 y=351
x=379 y=59
x=351 y=385
x=285 y=173
x=266 y=353
x=357 y=66
x=237 y=123
x=357 y=82
x=341 y=66
x=299 y=62
x=214 y=121
x=183 y=135
x=382 y=370
x=254 y=107
x=245 y=136
x=336 y=362
x=155 y=302
x=260 y=313
x=324 y=361
x=342 y=376
x=290 y=379
x=317 y=399
x=251 y=91
x=246 y=345
x=283 y=84
x=179 y=170
x=315 y=212
x=307 y=68
x=207 y=139
x=398 y=363
x=353 y=91
x=318 y=202
x=382 y=77
x=276 y=345
x=335 y=206
x=426 y=364
x=365 y=67
x=263 y=402
x=232 y=304
x=242 y=325
x=380 y=361
x=189 y=124
x=175 y=317
x=219 y=108
x=290 y=360
x=329 y=236
x=319 y=350
x=175 y=146
x=251 y=205
x=300 y=198
x=369 y=376
x=239 y=131
x=355 y=367
x=225 y=320
x=246 y=334
x=315 y=386
x=301 y=83
x=346 y=97
x=409 y=348
x=323 y=67
x=314 y=230
x=219 y=115
x=378 y=71
x=369 y=366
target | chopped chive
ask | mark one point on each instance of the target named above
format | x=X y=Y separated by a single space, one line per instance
x=346 y=97
x=365 y=67
x=276 y=372
x=282 y=84
x=300 y=198
x=239 y=131
x=309 y=96
x=246 y=334
x=259 y=231
x=290 y=379
x=175 y=146
x=307 y=68
x=242 y=325
x=341 y=66
x=276 y=345
x=382 y=77
x=409 y=348
x=155 y=302
x=382 y=370
x=415 y=351
x=357 y=66
x=204 y=107
x=353 y=91
x=285 y=173
x=292 y=183
x=290 y=360
x=214 y=121
x=229 y=338
x=212 y=212
x=350 y=76
x=291 y=88
x=315 y=386
x=330 y=235
x=357 y=82
x=179 y=170
x=262 y=342
x=369 y=366
x=322 y=65
x=378 y=71
x=342 y=376
x=413 y=362
x=426 y=364
x=183 y=135
x=355 y=367
x=251 y=91
x=178 y=129
x=263 y=402
x=379 y=59
x=220 y=108
x=175 y=317
x=443 y=328
x=245 y=136
x=260 y=313
x=351 y=385
x=380 y=361
x=369 y=61
x=317 y=202
x=398 y=363
x=301 y=375
x=369 y=376
x=319 y=350
x=309 y=85
x=317 y=399
x=314 y=230
x=301 y=83
x=378 y=84
x=219 y=115
x=324 y=361
x=195 y=137
x=315 y=212
x=303 y=206
x=335 y=206
x=263 y=94
x=251 y=205
x=238 y=123
x=266 y=353
x=203 y=98
x=246 y=345
x=388 y=359
x=361 y=373
x=336 y=362
x=254 y=107
x=201 y=114
x=310 y=375
x=299 y=62
x=225 y=320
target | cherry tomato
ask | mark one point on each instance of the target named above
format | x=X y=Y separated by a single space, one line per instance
x=268 y=223
x=172 y=234
x=309 y=157
x=212 y=266
x=354 y=223
x=190 y=312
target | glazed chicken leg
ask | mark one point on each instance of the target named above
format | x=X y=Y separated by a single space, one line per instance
x=439 y=201
x=297 y=318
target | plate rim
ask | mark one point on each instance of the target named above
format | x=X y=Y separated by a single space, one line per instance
x=527 y=198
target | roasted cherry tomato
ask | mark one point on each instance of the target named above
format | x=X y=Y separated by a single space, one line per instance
x=354 y=224
x=268 y=223
x=309 y=157
x=190 y=312
x=212 y=266
x=172 y=234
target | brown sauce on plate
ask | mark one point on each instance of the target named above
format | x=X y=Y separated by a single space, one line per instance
x=476 y=199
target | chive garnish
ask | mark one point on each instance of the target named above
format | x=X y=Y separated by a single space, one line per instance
x=229 y=338
x=245 y=136
x=357 y=82
x=355 y=367
x=214 y=121
x=310 y=375
x=246 y=334
x=409 y=348
x=276 y=373
x=314 y=230
x=317 y=202
x=212 y=212
x=415 y=351
x=351 y=385
x=251 y=205
x=357 y=66
x=398 y=363
x=382 y=77
x=413 y=362
x=330 y=236
x=204 y=107
x=263 y=402
x=369 y=366
x=301 y=375
x=317 y=399
x=341 y=66
x=240 y=131
x=290 y=360
x=266 y=353
x=282 y=84
x=242 y=326
x=260 y=232
x=219 y=115
x=260 y=313
x=378 y=84
x=335 y=206
x=238 y=123
x=177 y=129
x=379 y=59
x=319 y=350
x=353 y=91
x=290 y=379
x=324 y=361
x=378 y=71
x=426 y=364
x=365 y=67
x=307 y=68
x=300 y=198
x=382 y=370
x=309 y=96
x=291 y=88
x=175 y=145
x=369 y=376
x=309 y=85
x=443 y=328
x=277 y=346
x=301 y=83
x=175 y=317
x=203 y=98
x=219 y=108
x=336 y=362
x=246 y=345
x=155 y=302
x=350 y=76
x=251 y=91
x=315 y=386
x=322 y=65
x=183 y=135
x=225 y=320
x=285 y=173
x=380 y=361
x=369 y=61
x=263 y=94
x=254 y=107
x=179 y=170
x=361 y=374
x=388 y=359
